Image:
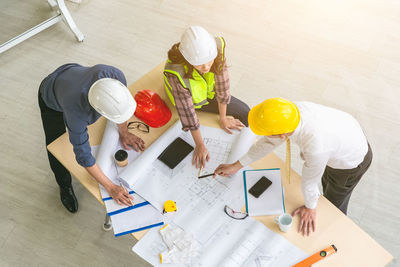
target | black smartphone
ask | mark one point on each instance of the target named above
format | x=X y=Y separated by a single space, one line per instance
x=258 y=188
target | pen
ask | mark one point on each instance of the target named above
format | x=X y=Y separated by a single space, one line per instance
x=206 y=175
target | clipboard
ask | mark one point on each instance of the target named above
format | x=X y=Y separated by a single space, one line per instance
x=275 y=197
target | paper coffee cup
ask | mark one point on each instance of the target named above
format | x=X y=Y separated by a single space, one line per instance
x=121 y=157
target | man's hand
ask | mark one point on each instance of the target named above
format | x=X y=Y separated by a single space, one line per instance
x=129 y=139
x=307 y=219
x=120 y=195
x=230 y=123
x=200 y=156
x=228 y=169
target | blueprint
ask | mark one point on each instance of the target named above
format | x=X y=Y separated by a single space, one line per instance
x=221 y=240
x=158 y=183
x=245 y=243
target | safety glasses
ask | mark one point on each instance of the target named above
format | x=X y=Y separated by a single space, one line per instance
x=138 y=125
x=237 y=215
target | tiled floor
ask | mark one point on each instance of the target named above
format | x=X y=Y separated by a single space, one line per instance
x=342 y=53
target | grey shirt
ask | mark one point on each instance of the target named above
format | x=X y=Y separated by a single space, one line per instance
x=66 y=90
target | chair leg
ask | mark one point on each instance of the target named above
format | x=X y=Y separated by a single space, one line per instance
x=107 y=226
x=69 y=21
x=52 y=4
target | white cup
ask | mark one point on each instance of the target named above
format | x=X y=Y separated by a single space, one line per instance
x=284 y=221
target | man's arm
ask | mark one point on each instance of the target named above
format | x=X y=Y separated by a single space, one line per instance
x=312 y=172
x=79 y=138
x=262 y=147
x=118 y=193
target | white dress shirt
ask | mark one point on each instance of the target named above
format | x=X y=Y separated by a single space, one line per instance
x=326 y=137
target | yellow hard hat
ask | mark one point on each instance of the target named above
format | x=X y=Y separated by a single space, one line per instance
x=274 y=116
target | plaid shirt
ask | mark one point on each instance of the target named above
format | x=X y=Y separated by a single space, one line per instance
x=184 y=102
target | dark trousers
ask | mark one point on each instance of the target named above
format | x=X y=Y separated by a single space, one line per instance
x=236 y=108
x=53 y=125
x=339 y=184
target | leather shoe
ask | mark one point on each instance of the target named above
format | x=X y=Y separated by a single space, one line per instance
x=68 y=199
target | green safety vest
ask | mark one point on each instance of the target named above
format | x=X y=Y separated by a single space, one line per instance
x=201 y=87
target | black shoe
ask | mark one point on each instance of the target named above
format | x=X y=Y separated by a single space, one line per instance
x=68 y=199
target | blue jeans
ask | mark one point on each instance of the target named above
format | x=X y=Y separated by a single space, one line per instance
x=236 y=108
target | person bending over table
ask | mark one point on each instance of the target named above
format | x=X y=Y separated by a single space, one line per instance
x=332 y=145
x=74 y=97
x=196 y=77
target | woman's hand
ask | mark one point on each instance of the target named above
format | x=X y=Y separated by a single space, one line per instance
x=230 y=123
x=200 y=156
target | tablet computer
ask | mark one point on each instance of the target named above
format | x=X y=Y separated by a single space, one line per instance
x=175 y=152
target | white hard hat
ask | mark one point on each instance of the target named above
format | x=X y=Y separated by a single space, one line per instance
x=112 y=99
x=197 y=46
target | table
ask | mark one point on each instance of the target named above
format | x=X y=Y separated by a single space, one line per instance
x=355 y=247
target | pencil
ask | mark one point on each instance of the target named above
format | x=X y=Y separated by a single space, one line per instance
x=130 y=200
x=201 y=168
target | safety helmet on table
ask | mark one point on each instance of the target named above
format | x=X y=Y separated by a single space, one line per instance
x=151 y=109
x=112 y=99
x=197 y=46
x=274 y=116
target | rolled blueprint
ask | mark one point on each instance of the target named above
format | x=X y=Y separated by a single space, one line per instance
x=141 y=165
x=242 y=144
x=105 y=155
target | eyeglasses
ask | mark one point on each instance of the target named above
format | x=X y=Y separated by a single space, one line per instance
x=237 y=215
x=141 y=126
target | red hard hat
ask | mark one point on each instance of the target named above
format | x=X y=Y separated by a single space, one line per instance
x=151 y=109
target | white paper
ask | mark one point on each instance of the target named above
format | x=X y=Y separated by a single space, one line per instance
x=123 y=218
x=139 y=167
x=137 y=219
x=245 y=140
x=113 y=170
x=237 y=243
x=107 y=149
x=271 y=201
x=158 y=183
x=112 y=206
x=222 y=241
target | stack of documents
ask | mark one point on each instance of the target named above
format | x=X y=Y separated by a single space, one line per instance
x=130 y=219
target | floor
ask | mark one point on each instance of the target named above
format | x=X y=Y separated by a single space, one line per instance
x=343 y=54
